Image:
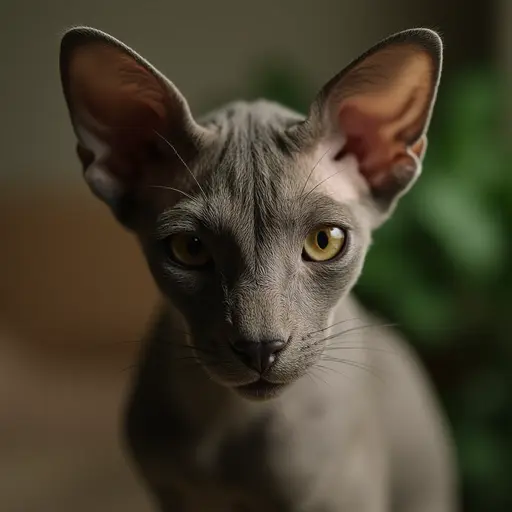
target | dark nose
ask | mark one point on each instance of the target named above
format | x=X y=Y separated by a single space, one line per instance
x=258 y=355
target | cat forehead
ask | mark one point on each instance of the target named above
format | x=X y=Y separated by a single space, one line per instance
x=245 y=115
x=251 y=147
x=255 y=172
x=256 y=150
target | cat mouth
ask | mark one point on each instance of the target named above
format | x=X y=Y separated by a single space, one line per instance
x=260 y=390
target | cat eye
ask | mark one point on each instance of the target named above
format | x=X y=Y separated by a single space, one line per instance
x=188 y=250
x=324 y=243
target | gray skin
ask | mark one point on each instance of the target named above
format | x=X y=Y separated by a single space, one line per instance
x=344 y=418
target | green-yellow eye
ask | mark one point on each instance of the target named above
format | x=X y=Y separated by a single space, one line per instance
x=324 y=243
x=189 y=250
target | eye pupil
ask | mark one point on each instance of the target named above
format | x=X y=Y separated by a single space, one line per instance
x=188 y=250
x=322 y=239
x=194 y=246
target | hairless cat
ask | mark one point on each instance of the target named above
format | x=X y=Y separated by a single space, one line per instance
x=263 y=385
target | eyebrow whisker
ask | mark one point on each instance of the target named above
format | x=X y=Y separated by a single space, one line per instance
x=182 y=161
x=312 y=171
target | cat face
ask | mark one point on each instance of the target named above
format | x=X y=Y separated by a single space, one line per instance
x=255 y=221
x=258 y=254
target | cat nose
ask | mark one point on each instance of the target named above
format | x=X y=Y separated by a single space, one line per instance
x=258 y=355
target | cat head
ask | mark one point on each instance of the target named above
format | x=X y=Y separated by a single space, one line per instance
x=254 y=220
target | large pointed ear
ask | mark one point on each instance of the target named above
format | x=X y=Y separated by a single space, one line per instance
x=121 y=109
x=378 y=109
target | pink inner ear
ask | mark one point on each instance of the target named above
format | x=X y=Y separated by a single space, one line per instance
x=382 y=108
x=379 y=130
x=367 y=141
x=119 y=101
x=116 y=96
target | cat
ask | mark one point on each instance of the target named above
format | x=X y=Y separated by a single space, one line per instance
x=263 y=385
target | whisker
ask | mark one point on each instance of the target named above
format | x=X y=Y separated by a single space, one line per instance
x=369 y=326
x=341 y=360
x=182 y=161
x=172 y=188
x=362 y=347
x=354 y=364
x=310 y=376
x=328 y=368
x=318 y=184
x=330 y=326
x=369 y=349
x=353 y=329
x=322 y=380
x=325 y=369
x=312 y=171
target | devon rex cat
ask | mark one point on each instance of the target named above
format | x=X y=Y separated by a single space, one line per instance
x=263 y=386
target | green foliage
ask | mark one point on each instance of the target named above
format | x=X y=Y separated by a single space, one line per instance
x=441 y=269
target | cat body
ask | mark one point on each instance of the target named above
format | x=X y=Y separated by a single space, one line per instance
x=367 y=438
x=263 y=385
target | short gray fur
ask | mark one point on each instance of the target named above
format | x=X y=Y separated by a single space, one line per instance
x=356 y=426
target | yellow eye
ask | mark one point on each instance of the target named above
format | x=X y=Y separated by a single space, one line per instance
x=187 y=249
x=324 y=243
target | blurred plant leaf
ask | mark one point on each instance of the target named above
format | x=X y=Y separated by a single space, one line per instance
x=457 y=216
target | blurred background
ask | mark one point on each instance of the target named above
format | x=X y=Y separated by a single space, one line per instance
x=74 y=292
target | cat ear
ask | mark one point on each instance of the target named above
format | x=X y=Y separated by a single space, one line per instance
x=379 y=109
x=121 y=109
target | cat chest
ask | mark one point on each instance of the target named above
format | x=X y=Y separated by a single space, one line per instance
x=234 y=467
